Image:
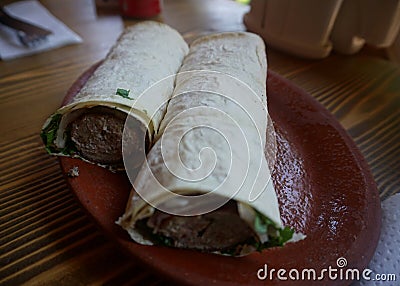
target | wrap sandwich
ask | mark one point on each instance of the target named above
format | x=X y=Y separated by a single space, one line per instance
x=90 y=127
x=206 y=183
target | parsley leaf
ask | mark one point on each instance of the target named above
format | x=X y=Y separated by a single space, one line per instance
x=124 y=93
x=70 y=148
x=276 y=236
x=49 y=134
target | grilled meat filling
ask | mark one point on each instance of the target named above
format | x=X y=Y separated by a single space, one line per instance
x=221 y=230
x=97 y=136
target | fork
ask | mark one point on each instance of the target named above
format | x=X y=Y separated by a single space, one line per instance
x=28 y=34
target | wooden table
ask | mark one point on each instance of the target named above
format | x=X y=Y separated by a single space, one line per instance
x=46 y=237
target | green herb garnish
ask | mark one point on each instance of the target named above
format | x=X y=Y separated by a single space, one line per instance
x=124 y=93
x=70 y=148
x=276 y=236
x=49 y=134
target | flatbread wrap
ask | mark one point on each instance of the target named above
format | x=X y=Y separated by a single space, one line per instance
x=90 y=127
x=206 y=183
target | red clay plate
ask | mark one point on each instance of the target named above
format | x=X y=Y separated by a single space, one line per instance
x=324 y=187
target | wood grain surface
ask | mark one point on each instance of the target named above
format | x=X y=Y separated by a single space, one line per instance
x=45 y=236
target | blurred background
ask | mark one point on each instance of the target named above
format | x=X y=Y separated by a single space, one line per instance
x=307 y=28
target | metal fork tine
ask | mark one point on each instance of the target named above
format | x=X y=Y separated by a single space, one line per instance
x=38 y=41
x=30 y=40
x=29 y=35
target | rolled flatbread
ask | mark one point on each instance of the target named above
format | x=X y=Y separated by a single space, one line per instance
x=206 y=183
x=91 y=126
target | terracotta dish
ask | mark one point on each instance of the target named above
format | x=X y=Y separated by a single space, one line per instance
x=324 y=188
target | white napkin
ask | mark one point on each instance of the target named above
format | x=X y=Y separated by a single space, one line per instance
x=32 y=11
x=386 y=259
